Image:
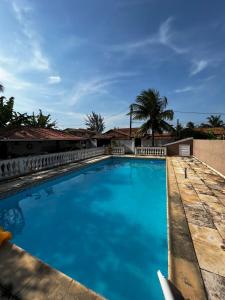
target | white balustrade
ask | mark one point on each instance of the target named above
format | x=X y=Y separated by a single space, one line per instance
x=23 y=165
x=118 y=150
x=150 y=151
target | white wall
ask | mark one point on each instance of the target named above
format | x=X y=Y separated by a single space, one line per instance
x=158 y=143
x=128 y=144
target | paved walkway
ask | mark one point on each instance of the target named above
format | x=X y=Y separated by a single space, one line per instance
x=203 y=197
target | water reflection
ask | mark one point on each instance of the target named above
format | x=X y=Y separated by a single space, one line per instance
x=12 y=218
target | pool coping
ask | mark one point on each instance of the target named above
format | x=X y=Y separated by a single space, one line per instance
x=183 y=267
x=202 y=195
x=32 y=278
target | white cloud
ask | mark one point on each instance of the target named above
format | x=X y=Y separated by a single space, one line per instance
x=54 y=79
x=15 y=83
x=97 y=85
x=34 y=56
x=117 y=120
x=199 y=66
x=185 y=89
x=164 y=36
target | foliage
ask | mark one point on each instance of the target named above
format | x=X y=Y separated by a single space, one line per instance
x=189 y=132
x=12 y=119
x=6 y=111
x=190 y=125
x=19 y=120
x=40 y=120
x=95 y=122
x=151 y=108
x=215 y=121
x=178 y=129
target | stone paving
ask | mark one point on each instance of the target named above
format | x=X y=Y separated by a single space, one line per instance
x=203 y=197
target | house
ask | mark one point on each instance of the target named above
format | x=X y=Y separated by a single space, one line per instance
x=33 y=141
x=81 y=132
x=131 y=138
x=217 y=132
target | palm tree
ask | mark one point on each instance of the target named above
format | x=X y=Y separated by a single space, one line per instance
x=190 y=125
x=151 y=108
x=215 y=121
x=95 y=122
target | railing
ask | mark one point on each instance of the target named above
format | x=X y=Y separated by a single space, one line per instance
x=20 y=166
x=118 y=150
x=151 y=151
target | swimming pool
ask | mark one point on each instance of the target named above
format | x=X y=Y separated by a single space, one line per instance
x=104 y=225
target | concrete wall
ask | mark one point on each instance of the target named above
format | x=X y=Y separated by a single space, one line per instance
x=212 y=152
x=173 y=148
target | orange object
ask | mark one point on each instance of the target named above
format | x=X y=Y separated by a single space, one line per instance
x=4 y=236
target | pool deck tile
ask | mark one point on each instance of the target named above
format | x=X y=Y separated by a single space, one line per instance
x=25 y=277
x=203 y=197
x=184 y=271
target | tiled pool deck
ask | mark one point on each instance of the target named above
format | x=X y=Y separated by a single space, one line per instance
x=199 y=274
x=196 y=215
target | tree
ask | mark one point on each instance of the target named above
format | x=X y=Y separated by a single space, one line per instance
x=190 y=125
x=151 y=108
x=178 y=129
x=40 y=120
x=19 y=120
x=215 y=121
x=95 y=122
x=194 y=133
x=204 y=125
x=6 y=111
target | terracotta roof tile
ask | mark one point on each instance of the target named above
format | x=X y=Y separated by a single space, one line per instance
x=33 y=133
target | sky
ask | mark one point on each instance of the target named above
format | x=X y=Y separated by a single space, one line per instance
x=71 y=57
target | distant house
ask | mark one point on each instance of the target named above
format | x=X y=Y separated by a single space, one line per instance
x=84 y=133
x=217 y=132
x=81 y=132
x=33 y=141
x=130 y=140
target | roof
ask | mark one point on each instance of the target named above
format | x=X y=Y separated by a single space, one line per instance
x=214 y=130
x=33 y=133
x=80 y=132
x=180 y=141
x=124 y=133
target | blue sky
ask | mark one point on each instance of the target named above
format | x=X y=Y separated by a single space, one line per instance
x=70 y=57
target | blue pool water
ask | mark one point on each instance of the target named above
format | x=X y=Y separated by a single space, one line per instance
x=104 y=225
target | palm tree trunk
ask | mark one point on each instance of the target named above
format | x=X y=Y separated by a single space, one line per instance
x=153 y=137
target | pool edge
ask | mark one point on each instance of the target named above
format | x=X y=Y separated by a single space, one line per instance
x=183 y=268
